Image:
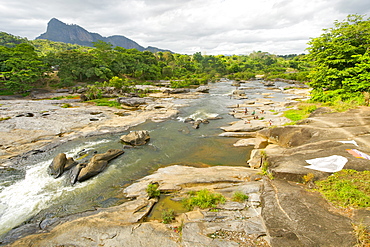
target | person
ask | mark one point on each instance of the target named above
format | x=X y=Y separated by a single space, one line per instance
x=253 y=113
x=246 y=111
x=270 y=122
x=262 y=111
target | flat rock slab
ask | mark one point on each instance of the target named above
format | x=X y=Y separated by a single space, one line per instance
x=108 y=227
x=135 y=235
x=296 y=217
x=240 y=126
x=174 y=178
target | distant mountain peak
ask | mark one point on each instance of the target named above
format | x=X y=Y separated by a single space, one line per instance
x=60 y=32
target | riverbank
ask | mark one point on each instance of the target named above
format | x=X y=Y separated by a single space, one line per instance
x=267 y=218
x=282 y=211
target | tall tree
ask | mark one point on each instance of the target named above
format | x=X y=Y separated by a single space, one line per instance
x=22 y=68
x=336 y=55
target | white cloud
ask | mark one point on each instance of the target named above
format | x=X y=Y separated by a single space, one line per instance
x=209 y=26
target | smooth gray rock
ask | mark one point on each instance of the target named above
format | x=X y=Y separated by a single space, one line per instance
x=296 y=217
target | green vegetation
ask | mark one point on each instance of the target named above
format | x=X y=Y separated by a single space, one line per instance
x=153 y=191
x=66 y=105
x=25 y=64
x=303 y=111
x=107 y=102
x=239 y=196
x=347 y=188
x=203 y=199
x=337 y=66
x=341 y=61
x=4 y=118
x=309 y=177
x=168 y=216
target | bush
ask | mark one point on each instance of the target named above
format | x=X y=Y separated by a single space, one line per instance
x=168 y=216
x=93 y=92
x=203 y=199
x=153 y=191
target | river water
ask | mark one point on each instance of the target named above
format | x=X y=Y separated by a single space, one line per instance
x=33 y=195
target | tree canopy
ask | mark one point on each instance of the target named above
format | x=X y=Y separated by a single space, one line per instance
x=25 y=63
x=341 y=60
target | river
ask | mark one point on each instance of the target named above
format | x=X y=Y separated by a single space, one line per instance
x=32 y=195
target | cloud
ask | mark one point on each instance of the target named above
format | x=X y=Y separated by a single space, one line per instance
x=209 y=26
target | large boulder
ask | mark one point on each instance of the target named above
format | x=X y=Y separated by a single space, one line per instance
x=97 y=164
x=60 y=164
x=136 y=138
x=56 y=167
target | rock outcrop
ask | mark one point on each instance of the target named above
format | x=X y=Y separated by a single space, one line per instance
x=136 y=138
x=319 y=136
x=97 y=164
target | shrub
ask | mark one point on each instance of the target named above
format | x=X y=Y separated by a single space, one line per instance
x=203 y=199
x=93 y=92
x=308 y=178
x=152 y=190
x=168 y=216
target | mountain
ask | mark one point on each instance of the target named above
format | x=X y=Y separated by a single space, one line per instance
x=74 y=34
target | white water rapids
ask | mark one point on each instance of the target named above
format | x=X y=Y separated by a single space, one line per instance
x=37 y=191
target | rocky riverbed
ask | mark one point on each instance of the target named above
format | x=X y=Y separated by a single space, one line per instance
x=278 y=212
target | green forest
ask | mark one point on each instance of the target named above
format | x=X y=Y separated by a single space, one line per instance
x=337 y=65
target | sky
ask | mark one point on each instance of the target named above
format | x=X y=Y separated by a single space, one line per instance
x=211 y=27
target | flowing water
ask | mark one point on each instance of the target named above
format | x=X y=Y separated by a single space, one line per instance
x=32 y=194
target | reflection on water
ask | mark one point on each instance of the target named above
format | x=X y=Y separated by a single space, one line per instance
x=34 y=193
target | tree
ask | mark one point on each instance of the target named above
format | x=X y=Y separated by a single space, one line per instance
x=21 y=68
x=337 y=55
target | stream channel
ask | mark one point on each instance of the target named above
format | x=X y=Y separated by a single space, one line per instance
x=32 y=195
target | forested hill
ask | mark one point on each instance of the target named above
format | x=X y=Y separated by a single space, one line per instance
x=74 y=34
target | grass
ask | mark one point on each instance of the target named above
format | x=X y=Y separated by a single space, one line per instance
x=65 y=97
x=106 y=102
x=347 y=188
x=239 y=196
x=203 y=199
x=303 y=111
x=342 y=106
x=362 y=235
